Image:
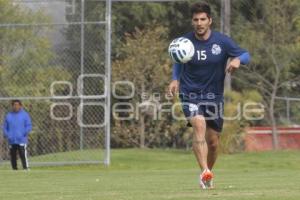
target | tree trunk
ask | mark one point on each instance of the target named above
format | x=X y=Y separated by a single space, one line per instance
x=142 y=119
x=225 y=28
x=274 y=126
x=272 y=117
x=142 y=130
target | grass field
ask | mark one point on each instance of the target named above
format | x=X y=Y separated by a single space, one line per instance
x=158 y=175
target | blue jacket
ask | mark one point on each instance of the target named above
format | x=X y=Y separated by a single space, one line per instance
x=17 y=126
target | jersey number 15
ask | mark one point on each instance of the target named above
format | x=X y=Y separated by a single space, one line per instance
x=201 y=55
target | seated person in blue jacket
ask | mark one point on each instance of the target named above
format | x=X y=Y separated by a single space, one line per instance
x=16 y=127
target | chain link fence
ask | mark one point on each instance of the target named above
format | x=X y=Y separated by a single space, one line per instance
x=288 y=112
x=53 y=58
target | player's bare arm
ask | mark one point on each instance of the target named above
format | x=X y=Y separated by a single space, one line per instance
x=233 y=65
x=173 y=87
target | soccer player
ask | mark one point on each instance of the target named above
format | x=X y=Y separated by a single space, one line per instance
x=16 y=128
x=200 y=83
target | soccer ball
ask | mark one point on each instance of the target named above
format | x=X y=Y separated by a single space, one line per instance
x=181 y=50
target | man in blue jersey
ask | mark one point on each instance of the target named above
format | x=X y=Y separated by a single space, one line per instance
x=200 y=83
x=16 y=127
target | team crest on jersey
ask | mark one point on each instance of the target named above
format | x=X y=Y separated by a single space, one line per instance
x=216 y=49
x=193 y=107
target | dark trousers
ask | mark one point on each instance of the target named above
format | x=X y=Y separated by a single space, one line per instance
x=22 y=154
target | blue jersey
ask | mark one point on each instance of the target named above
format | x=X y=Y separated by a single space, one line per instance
x=205 y=73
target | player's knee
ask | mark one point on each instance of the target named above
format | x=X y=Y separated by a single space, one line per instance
x=198 y=123
x=213 y=145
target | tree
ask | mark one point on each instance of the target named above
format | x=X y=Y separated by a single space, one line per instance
x=236 y=119
x=146 y=65
x=273 y=31
x=25 y=63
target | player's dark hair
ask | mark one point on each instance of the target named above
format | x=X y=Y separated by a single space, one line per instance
x=201 y=7
x=16 y=101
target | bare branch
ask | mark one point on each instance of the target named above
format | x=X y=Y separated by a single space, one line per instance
x=274 y=61
x=259 y=76
x=264 y=90
x=289 y=81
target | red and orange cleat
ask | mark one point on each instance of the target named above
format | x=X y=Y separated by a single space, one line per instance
x=206 y=179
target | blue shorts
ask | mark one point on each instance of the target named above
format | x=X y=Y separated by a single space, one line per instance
x=212 y=110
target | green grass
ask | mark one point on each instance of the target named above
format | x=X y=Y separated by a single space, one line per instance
x=159 y=175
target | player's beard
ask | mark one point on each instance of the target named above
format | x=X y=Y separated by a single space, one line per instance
x=201 y=32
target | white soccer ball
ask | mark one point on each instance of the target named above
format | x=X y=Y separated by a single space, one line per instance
x=181 y=50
